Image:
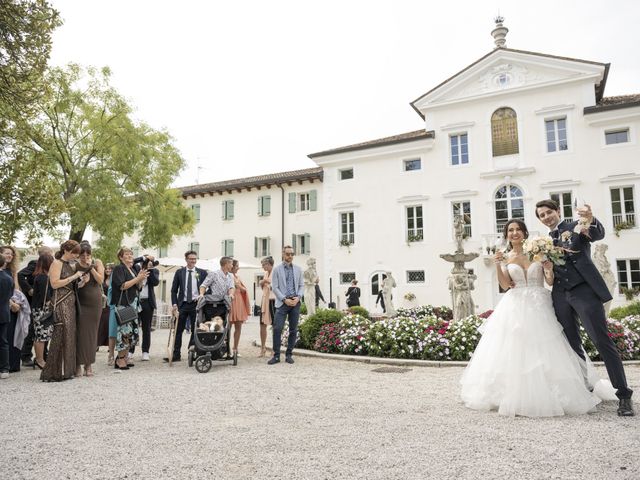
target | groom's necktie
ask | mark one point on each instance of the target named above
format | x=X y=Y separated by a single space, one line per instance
x=190 y=286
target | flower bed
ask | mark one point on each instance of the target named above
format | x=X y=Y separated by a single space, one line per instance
x=427 y=333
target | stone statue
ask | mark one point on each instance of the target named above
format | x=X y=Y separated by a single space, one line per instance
x=604 y=267
x=460 y=281
x=458 y=229
x=310 y=278
x=461 y=285
x=388 y=284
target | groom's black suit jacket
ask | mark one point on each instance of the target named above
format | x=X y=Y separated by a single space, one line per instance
x=579 y=267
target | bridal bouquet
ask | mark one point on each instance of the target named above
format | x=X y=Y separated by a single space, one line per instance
x=540 y=249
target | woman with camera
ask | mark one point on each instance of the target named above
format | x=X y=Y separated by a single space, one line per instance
x=90 y=298
x=147 y=301
x=124 y=293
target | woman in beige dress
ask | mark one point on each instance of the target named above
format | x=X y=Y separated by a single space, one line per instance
x=90 y=299
x=61 y=361
x=268 y=305
x=240 y=308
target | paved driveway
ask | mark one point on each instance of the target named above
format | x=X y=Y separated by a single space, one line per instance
x=317 y=419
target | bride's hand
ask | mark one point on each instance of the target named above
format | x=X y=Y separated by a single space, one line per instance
x=547 y=265
x=498 y=257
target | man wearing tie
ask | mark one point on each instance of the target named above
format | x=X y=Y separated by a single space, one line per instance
x=184 y=297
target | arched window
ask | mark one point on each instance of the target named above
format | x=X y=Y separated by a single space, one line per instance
x=504 y=132
x=509 y=203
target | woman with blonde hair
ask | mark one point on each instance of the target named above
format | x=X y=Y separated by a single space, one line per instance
x=124 y=292
x=240 y=308
x=268 y=305
x=63 y=278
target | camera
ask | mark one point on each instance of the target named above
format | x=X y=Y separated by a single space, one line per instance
x=145 y=262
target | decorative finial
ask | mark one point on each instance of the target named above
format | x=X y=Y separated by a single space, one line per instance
x=499 y=33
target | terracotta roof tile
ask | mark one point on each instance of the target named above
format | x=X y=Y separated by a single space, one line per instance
x=400 y=138
x=614 y=103
x=257 y=181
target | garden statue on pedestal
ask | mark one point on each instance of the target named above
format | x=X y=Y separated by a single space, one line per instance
x=460 y=281
x=388 y=284
x=604 y=267
x=310 y=277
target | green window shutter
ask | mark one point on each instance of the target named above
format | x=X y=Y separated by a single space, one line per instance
x=292 y=202
x=268 y=246
x=230 y=248
x=255 y=247
x=266 y=205
x=230 y=203
x=313 y=200
x=224 y=210
x=224 y=247
x=260 y=206
x=196 y=212
x=307 y=244
x=293 y=241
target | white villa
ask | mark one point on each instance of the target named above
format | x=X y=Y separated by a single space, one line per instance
x=511 y=128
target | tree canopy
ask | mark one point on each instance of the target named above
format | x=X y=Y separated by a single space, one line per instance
x=94 y=166
x=25 y=43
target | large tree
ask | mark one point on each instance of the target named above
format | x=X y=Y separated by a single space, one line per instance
x=25 y=43
x=100 y=168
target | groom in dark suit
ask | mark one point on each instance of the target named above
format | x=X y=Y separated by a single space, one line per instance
x=579 y=291
x=184 y=297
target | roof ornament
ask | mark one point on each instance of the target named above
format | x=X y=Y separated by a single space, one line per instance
x=499 y=33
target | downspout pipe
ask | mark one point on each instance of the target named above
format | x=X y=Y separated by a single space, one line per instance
x=281 y=221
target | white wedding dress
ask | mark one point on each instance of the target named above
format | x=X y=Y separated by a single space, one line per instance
x=523 y=364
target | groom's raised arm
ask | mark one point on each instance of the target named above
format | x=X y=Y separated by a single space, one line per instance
x=596 y=230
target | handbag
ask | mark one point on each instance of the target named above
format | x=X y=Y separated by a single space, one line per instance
x=257 y=310
x=44 y=316
x=125 y=314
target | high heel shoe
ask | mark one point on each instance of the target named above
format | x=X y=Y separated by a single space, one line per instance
x=36 y=364
x=118 y=367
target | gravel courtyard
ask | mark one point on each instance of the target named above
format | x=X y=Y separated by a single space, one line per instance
x=317 y=419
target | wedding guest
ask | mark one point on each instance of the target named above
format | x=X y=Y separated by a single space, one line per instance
x=10 y=255
x=353 y=294
x=42 y=295
x=124 y=292
x=288 y=286
x=61 y=361
x=240 y=306
x=25 y=280
x=147 y=301
x=268 y=306
x=184 y=298
x=90 y=299
x=103 y=327
x=6 y=290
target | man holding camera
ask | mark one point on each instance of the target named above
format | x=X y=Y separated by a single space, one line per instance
x=147 y=301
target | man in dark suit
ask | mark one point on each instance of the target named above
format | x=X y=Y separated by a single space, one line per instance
x=184 y=297
x=6 y=291
x=147 y=302
x=579 y=291
x=25 y=280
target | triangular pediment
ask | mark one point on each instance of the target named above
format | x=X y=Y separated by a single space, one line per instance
x=504 y=71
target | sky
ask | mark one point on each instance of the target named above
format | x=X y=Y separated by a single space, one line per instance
x=251 y=87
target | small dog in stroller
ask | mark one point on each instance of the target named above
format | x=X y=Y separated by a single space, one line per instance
x=211 y=338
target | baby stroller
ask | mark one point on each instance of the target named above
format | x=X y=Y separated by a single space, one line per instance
x=209 y=346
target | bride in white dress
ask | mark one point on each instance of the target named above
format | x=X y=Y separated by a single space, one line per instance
x=523 y=364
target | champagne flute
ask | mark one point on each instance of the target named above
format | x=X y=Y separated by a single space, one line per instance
x=579 y=206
